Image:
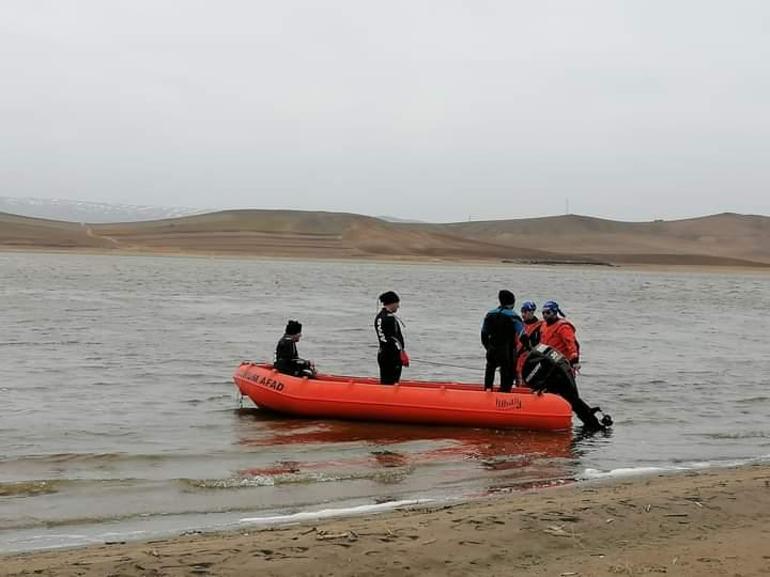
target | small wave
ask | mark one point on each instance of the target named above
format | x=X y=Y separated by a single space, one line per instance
x=71 y=457
x=752 y=400
x=326 y=513
x=113 y=519
x=46 y=343
x=208 y=399
x=256 y=481
x=736 y=436
x=90 y=459
x=634 y=399
x=28 y=488
x=590 y=474
x=388 y=475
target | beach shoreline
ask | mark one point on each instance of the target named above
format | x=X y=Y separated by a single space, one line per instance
x=695 y=523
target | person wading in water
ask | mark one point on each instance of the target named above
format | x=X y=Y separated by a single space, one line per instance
x=553 y=364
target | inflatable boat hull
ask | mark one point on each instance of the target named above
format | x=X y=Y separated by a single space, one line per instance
x=341 y=397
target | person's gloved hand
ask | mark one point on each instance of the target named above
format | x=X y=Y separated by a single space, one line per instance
x=404 y=358
x=537 y=387
x=575 y=364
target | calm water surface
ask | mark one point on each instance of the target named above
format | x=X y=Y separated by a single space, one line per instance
x=118 y=417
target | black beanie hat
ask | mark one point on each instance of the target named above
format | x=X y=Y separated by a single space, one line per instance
x=389 y=297
x=293 y=328
x=506 y=298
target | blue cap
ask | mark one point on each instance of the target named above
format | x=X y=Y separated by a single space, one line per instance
x=528 y=306
x=554 y=307
x=551 y=306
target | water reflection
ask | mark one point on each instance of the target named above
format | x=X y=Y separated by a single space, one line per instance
x=509 y=457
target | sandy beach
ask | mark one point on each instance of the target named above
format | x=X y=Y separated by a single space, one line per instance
x=714 y=522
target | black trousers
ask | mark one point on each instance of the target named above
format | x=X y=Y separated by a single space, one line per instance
x=507 y=363
x=390 y=367
x=563 y=384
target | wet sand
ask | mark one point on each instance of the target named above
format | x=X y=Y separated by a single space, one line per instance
x=714 y=522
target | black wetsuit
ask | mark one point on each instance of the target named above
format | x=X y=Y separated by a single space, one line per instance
x=499 y=333
x=287 y=359
x=391 y=341
x=546 y=369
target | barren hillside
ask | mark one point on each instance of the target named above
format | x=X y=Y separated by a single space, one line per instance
x=722 y=236
x=311 y=234
x=24 y=232
x=724 y=239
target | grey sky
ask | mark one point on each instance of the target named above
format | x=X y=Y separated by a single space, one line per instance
x=438 y=110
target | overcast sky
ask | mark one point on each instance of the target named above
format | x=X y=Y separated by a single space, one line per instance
x=441 y=110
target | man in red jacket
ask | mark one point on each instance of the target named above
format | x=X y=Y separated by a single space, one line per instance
x=559 y=333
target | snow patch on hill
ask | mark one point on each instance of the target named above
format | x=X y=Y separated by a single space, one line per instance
x=93 y=212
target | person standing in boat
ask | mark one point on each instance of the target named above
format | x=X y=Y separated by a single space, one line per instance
x=287 y=359
x=532 y=326
x=559 y=333
x=501 y=332
x=391 y=356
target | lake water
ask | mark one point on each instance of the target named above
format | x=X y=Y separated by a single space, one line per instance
x=119 y=420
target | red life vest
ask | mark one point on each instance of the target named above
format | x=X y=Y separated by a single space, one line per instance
x=561 y=336
x=532 y=328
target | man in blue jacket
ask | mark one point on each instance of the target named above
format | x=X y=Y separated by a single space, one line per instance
x=500 y=333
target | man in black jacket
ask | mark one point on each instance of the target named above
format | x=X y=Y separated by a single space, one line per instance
x=287 y=360
x=501 y=332
x=391 y=356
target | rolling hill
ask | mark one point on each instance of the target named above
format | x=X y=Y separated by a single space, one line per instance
x=724 y=239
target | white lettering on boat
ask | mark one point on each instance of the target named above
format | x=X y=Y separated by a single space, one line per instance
x=265 y=381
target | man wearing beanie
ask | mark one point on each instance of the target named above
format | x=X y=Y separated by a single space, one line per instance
x=287 y=360
x=501 y=332
x=391 y=356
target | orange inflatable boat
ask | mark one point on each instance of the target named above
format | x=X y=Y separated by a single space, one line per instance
x=435 y=403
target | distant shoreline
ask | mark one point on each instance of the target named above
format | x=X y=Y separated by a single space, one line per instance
x=409 y=260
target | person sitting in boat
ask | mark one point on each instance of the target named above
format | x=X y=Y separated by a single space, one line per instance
x=501 y=332
x=532 y=328
x=558 y=332
x=391 y=355
x=287 y=360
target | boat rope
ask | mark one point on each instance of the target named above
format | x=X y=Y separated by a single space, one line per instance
x=446 y=365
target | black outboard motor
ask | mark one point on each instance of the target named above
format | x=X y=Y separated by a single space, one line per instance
x=547 y=370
